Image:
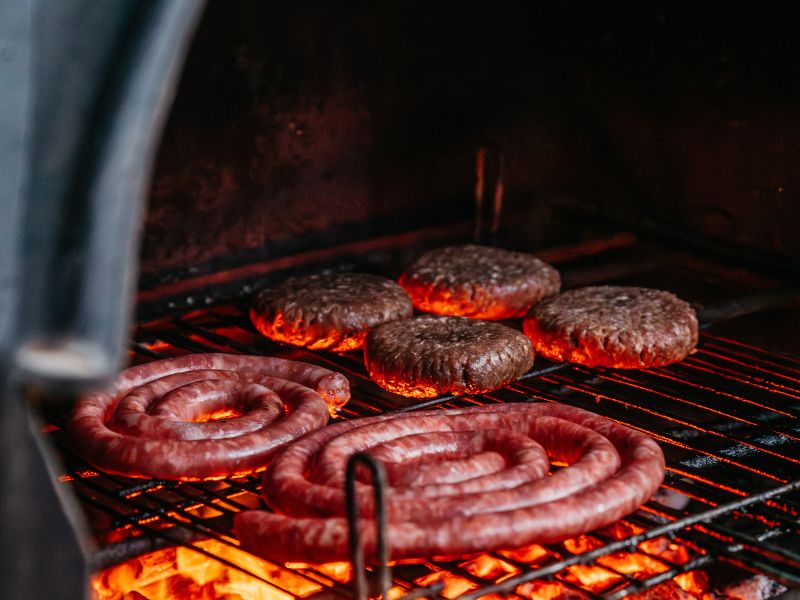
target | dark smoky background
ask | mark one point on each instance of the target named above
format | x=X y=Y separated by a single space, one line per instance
x=305 y=125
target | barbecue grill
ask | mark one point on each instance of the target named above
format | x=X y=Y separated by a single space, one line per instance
x=284 y=191
x=726 y=418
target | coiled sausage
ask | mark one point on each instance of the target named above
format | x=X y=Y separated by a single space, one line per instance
x=202 y=416
x=480 y=504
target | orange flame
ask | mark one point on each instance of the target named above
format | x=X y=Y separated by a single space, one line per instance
x=530 y=555
x=546 y=590
x=694 y=582
x=636 y=565
x=219 y=415
x=622 y=529
x=595 y=579
x=338 y=571
x=454 y=585
x=488 y=567
x=582 y=544
x=666 y=549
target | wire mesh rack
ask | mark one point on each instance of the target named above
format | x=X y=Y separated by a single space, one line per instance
x=727 y=419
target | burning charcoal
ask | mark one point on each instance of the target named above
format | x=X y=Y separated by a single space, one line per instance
x=664 y=591
x=548 y=589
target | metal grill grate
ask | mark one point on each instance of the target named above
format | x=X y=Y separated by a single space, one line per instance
x=726 y=417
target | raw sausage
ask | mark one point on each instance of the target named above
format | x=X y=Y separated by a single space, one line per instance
x=202 y=416
x=486 y=505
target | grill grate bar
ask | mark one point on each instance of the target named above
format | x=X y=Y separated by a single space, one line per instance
x=213 y=336
x=185 y=342
x=712 y=437
x=776 y=360
x=736 y=416
x=709 y=497
x=741 y=371
x=640 y=415
x=205 y=529
x=146 y=513
x=633 y=541
x=172 y=536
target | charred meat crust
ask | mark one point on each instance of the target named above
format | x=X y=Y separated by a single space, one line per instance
x=479 y=282
x=609 y=326
x=330 y=311
x=430 y=355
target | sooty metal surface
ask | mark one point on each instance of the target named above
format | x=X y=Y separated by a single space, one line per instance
x=727 y=419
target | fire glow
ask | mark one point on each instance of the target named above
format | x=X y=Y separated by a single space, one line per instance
x=182 y=573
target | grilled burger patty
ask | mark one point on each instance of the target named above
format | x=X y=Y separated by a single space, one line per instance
x=479 y=282
x=430 y=355
x=609 y=326
x=328 y=312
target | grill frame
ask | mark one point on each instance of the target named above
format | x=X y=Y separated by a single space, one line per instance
x=165 y=513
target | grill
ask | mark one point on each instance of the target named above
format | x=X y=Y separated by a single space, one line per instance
x=726 y=417
x=340 y=136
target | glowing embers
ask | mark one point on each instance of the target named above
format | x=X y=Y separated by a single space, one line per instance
x=606 y=575
x=533 y=554
x=184 y=574
x=694 y=582
x=454 y=585
x=489 y=567
x=609 y=571
x=548 y=590
x=595 y=579
x=609 y=574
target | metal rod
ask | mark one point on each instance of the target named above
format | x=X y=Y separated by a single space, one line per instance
x=356 y=546
x=489 y=179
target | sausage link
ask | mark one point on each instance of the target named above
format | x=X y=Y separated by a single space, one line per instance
x=167 y=419
x=608 y=471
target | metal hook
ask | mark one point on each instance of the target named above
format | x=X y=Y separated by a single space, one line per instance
x=356 y=546
x=489 y=174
